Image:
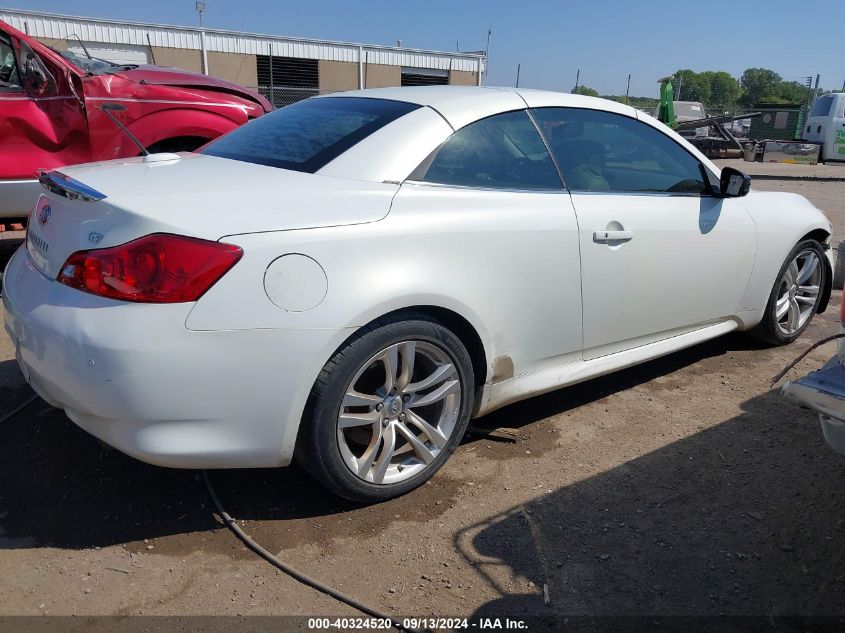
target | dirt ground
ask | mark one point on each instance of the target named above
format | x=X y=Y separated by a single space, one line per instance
x=684 y=486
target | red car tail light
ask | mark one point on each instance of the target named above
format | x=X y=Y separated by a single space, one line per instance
x=157 y=268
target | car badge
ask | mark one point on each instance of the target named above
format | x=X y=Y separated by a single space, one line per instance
x=45 y=214
x=95 y=238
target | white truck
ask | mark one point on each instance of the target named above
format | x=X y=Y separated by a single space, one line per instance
x=688 y=111
x=826 y=125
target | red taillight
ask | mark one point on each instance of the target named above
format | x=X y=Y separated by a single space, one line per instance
x=158 y=268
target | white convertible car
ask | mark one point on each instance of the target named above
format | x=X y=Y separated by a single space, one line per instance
x=350 y=279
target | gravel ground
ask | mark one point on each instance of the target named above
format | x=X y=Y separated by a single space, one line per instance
x=823 y=171
x=684 y=486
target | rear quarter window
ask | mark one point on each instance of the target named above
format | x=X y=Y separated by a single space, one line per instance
x=309 y=134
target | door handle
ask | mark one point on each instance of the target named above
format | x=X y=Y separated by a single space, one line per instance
x=603 y=237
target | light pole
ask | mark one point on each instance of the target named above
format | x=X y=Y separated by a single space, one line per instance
x=200 y=7
x=487 y=53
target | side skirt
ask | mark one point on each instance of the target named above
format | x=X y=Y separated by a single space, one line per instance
x=495 y=396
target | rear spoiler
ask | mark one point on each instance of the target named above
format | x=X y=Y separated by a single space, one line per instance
x=67 y=187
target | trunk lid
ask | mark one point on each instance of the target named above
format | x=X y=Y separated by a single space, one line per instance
x=192 y=195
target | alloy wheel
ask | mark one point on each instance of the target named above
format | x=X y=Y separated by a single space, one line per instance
x=798 y=292
x=398 y=412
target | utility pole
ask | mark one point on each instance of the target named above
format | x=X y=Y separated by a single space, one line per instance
x=152 y=53
x=200 y=7
x=360 y=67
x=678 y=88
x=628 y=89
x=272 y=86
x=816 y=90
x=487 y=53
x=518 y=66
x=577 y=79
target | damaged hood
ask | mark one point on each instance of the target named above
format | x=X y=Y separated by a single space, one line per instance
x=176 y=78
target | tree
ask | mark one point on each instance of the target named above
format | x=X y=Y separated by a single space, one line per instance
x=693 y=86
x=584 y=90
x=725 y=91
x=793 y=92
x=759 y=83
x=644 y=103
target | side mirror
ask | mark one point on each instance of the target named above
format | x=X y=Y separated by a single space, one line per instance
x=35 y=77
x=733 y=183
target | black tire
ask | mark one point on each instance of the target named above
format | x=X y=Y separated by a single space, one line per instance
x=318 y=448
x=768 y=330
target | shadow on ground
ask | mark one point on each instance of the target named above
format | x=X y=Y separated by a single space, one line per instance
x=744 y=515
x=744 y=518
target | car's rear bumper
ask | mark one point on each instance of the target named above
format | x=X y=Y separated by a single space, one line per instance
x=823 y=391
x=134 y=376
x=17 y=197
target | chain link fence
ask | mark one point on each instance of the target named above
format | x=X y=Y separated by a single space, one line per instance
x=778 y=123
x=781 y=117
x=281 y=96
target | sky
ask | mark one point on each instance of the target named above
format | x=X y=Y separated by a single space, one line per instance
x=550 y=40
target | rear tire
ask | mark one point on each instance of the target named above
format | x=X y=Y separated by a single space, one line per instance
x=388 y=409
x=795 y=297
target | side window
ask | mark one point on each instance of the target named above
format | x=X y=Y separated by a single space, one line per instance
x=504 y=151
x=9 y=78
x=601 y=151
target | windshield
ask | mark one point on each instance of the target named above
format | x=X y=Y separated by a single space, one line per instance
x=92 y=65
x=307 y=135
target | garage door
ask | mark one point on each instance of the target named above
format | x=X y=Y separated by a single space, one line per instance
x=115 y=53
x=424 y=76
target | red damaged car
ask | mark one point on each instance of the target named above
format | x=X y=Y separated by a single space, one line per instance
x=51 y=112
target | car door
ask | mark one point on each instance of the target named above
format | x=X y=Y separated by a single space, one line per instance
x=660 y=255
x=837 y=150
x=496 y=231
x=42 y=122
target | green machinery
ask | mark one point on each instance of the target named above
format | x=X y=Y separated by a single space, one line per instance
x=666 y=109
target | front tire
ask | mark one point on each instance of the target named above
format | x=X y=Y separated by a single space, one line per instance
x=795 y=297
x=388 y=409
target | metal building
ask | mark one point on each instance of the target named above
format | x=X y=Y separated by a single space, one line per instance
x=285 y=69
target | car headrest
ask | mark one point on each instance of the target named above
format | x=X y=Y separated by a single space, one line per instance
x=585 y=150
x=567 y=131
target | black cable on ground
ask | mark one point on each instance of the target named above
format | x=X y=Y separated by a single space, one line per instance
x=18 y=409
x=786 y=369
x=291 y=571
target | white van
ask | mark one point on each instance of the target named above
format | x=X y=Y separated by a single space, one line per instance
x=826 y=125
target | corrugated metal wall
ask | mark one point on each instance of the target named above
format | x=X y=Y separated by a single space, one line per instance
x=119 y=32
